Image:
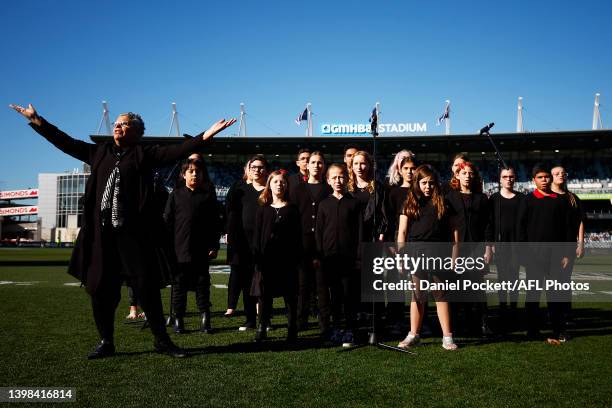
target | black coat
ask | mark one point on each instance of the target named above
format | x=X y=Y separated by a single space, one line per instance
x=277 y=249
x=308 y=205
x=193 y=221
x=145 y=223
x=472 y=223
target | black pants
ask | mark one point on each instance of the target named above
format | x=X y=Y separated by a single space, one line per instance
x=126 y=259
x=343 y=281
x=243 y=276
x=506 y=260
x=545 y=264
x=306 y=286
x=265 y=314
x=191 y=276
x=233 y=288
x=132 y=297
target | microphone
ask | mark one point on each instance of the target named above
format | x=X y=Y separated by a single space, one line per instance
x=486 y=128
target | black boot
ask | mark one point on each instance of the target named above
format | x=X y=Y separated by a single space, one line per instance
x=179 y=325
x=105 y=348
x=205 y=327
x=164 y=345
x=262 y=333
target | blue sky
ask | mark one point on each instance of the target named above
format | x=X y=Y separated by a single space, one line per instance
x=66 y=57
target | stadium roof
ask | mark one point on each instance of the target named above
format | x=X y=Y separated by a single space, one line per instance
x=595 y=140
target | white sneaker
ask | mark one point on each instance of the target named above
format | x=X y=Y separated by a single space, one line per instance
x=411 y=340
x=448 y=343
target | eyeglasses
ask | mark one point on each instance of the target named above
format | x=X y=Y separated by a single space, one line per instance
x=257 y=168
x=122 y=123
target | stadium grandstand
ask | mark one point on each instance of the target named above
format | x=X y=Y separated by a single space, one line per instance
x=586 y=156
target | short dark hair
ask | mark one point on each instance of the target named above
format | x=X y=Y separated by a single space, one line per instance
x=507 y=168
x=350 y=146
x=303 y=150
x=261 y=158
x=539 y=168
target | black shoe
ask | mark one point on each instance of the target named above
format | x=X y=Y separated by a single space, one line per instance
x=205 y=327
x=262 y=333
x=105 y=348
x=179 y=325
x=166 y=346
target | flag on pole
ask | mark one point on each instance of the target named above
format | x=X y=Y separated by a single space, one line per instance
x=302 y=116
x=373 y=117
x=374 y=122
x=445 y=115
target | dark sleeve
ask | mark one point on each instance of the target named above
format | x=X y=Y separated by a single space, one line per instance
x=160 y=155
x=581 y=212
x=522 y=220
x=169 y=216
x=169 y=210
x=296 y=235
x=360 y=232
x=216 y=227
x=489 y=227
x=382 y=219
x=257 y=236
x=78 y=149
x=319 y=228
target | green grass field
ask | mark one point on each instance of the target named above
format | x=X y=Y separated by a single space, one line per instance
x=46 y=330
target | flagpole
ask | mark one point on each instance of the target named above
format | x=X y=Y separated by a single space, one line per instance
x=309 y=127
x=447 y=119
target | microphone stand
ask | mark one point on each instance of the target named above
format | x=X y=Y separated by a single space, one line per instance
x=372 y=336
x=501 y=164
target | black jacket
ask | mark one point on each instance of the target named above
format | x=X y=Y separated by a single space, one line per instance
x=308 y=206
x=145 y=223
x=471 y=221
x=339 y=227
x=193 y=221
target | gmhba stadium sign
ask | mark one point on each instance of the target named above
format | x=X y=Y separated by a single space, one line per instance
x=365 y=128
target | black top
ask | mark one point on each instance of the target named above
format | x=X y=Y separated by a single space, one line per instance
x=307 y=198
x=194 y=222
x=577 y=214
x=142 y=221
x=295 y=180
x=428 y=228
x=545 y=219
x=470 y=215
x=394 y=205
x=504 y=217
x=241 y=203
x=339 y=226
x=373 y=211
x=277 y=247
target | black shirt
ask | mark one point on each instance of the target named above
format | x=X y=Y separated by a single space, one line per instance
x=307 y=198
x=428 y=228
x=544 y=219
x=194 y=222
x=504 y=217
x=339 y=226
x=394 y=206
x=295 y=180
x=470 y=215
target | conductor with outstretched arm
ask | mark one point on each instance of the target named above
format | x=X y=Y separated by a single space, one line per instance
x=120 y=236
